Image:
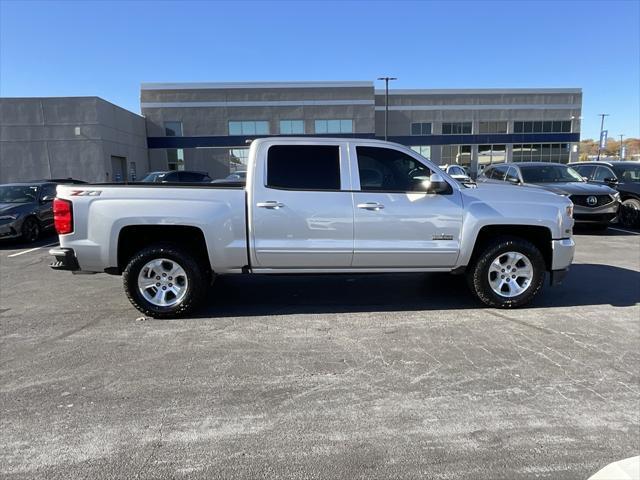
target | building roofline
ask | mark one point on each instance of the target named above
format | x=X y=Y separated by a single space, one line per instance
x=74 y=97
x=232 y=85
x=476 y=91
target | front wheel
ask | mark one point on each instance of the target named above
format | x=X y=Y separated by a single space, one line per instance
x=630 y=213
x=507 y=273
x=30 y=230
x=163 y=281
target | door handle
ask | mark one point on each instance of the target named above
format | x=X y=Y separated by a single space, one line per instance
x=273 y=205
x=371 y=206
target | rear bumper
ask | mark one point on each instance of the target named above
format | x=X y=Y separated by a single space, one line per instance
x=65 y=259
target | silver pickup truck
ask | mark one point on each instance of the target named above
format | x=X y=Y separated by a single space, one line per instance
x=314 y=205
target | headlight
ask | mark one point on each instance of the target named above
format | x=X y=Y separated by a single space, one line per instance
x=8 y=217
x=570 y=210
x=616 y=196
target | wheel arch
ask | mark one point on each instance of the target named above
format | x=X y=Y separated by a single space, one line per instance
x=133 y=238
x=538 y=235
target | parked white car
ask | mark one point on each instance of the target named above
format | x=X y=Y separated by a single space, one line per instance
x=318 y=205
x=458 y=173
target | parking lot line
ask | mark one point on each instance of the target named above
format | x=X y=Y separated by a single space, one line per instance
x=32 y=250
x=623 y=230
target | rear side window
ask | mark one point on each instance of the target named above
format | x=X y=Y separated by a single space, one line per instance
x=304 y=167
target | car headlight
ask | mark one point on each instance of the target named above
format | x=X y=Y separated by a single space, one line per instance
x=616 y=196
x=9 y=217
x=570 y=210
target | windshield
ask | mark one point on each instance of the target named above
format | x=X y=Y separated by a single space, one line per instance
x=18 y=193
x=549 y=174
x=628 y=173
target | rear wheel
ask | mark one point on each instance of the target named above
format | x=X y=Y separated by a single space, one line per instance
x=630 y=213
x=164 y=281
x=30 y=230
x=507 y=273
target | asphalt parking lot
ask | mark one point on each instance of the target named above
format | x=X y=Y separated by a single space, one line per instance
x=391 y=376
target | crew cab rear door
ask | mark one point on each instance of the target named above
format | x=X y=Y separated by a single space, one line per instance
x=396 y=225
x=301 y=208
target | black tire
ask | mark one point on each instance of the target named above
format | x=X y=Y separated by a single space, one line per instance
x=196 y=276
x=30 y=231
x=630 y=213
x=478 y=272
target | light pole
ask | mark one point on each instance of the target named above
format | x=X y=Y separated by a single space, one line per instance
x=601 y=130
x=621 y=135
x=386 y=103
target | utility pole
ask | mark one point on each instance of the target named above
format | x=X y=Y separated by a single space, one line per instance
x=386 y=103
x=621 y=149
x=601 y=130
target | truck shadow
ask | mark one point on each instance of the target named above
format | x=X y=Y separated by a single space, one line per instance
x=249 y=295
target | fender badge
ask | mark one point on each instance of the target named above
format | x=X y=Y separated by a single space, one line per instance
x=442 y=236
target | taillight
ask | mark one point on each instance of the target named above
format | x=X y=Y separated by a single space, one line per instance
x=62 y=216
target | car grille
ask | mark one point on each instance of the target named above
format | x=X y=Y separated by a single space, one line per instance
x=581 y=200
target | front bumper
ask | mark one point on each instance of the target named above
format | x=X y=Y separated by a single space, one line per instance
x=562 y=253
x=65 y=259
x=11 y=229
x=605 y=214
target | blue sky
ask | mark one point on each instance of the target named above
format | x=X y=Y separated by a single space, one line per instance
x=108 y=48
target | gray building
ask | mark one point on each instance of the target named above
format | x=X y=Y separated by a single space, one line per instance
x=206 y=126
x=81 y=137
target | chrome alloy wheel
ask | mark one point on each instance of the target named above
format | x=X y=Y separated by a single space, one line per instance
x=163 y=282
x=510 y=274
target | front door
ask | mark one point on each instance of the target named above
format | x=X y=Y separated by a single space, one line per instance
x=302 y=215
x=396 y=224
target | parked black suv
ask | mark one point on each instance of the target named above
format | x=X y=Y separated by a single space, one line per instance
x=177 y=176
x=622 y=176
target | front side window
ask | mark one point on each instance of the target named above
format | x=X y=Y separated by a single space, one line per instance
x=512 y=175
x=334 y=126
x=628 y=173
x=387 y=170
x=422 y=128
x=602 y=173
x=304 y=167
x=173 y=129
x=249 y=127
x=291 y=127
x=18 y=194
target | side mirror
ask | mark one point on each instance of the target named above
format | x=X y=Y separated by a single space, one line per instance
x=436 y=184
x=513 y=180
x=586 y=179
x=47 y=198
x=611 y=180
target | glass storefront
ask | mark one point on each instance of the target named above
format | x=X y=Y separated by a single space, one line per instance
x=456 y=154
x=541 y=152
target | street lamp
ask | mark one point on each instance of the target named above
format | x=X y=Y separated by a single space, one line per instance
x=601 y=130
x=386 y=103
x=621 y=149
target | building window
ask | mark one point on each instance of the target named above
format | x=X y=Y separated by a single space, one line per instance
x=541 y=152
x=424 y=150
x=488 y=154
x=456 y=154
x=555 y=126
x=175 y=159
x=173 y=129
x=456 y=128
x=238 y=159
x=421 y=129
x=334 y=126
x=249 y=127
x=493 y=127
x=292 y=127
